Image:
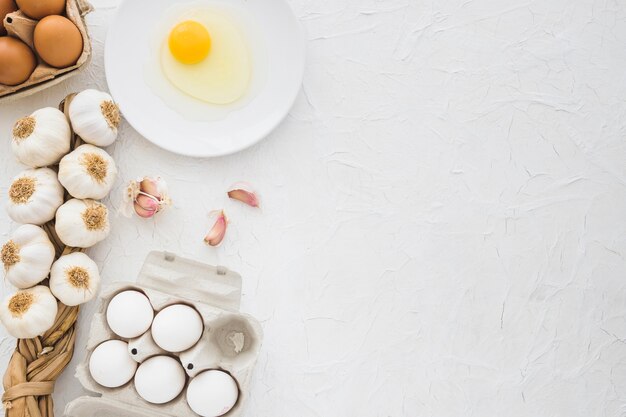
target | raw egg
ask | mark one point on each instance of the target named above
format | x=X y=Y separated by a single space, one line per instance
x=17 y=61
x=130 y=314
x=206 y=60
x=207 y=57
x=177 y=328
x=58 y=41
x=110 y=364
x=212 y=393
x=6 y=7
x=160 y=379
x=38 y=9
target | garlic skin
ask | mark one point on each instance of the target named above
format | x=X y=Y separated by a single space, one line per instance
x=29 y=313
x=88 y=172
x=145 y=197
x=95 y=117
x=34 y=196
x=74 y=279
x=82 y=223
x=27 y=256
x=42 y=138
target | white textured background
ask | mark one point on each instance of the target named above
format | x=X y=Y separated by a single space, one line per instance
x=443 y=229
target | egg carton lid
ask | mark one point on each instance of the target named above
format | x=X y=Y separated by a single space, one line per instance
x=192 y=280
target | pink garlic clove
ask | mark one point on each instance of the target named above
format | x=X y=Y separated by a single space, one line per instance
x=218 y=231
x=146 y=206
x=243 y=192
x=145 y=196
x=150 y=186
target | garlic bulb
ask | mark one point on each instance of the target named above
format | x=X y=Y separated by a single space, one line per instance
x=88 y=172
x=95 y=117
x=34 y=196
x=29 y=313
x=27 y=256
x=42 y=138
x=74 y=279
x=82 y=223
x=146 y=197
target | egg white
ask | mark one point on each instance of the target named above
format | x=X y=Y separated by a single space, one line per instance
x=235 y=40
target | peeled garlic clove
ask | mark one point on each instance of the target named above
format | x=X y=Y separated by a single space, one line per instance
x=243 y=192
x=74 y=279
x=27 y=256
x=218 y=231
x=42 y=138
x=82 y=223
x=29 y=313
x=88 y=172
x=95 y=117
x=34 y=196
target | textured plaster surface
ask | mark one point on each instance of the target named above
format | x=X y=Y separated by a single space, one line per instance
x=443 y=230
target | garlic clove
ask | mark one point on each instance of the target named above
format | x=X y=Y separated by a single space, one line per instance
x=82 y=223
x=243 y=192
x=34 y=196
x=42 y=138
x=95 y=117
x=74 y=279
x=27 y=256
x=146 y=197
x=218 y=231
x=29 y=313
x=146 y=206
x=151 y=186
x=88 y=172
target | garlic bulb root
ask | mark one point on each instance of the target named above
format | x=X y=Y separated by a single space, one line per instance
x=88 y=172
x=27 y=256
x=42 y=138
x=34 y=196
x=82 y=223
x=74 y=279
x=95 y=117
x=29 y=313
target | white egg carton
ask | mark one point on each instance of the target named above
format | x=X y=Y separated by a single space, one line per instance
x=215 y=292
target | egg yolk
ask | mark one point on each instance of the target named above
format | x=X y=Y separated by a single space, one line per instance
x=189 y=42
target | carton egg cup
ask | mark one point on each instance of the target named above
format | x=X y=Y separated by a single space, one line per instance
x=21 y=27
x=230 y=340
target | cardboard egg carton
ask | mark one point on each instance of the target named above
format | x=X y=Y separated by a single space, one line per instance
x=20 y=26
x=215 y=293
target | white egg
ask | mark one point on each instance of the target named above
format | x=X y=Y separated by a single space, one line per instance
x=212 y=393
x=177 y=328
x=130 y=314
x=110 y=364
x=160 y=379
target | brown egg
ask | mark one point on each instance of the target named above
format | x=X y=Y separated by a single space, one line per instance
x=38 y=9
x=58 y=41
x=6 y=7
x=17 y=61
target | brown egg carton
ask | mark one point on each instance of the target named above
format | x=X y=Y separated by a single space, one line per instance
x=44 y=76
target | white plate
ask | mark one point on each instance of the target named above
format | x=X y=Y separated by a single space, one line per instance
x=127 y=48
